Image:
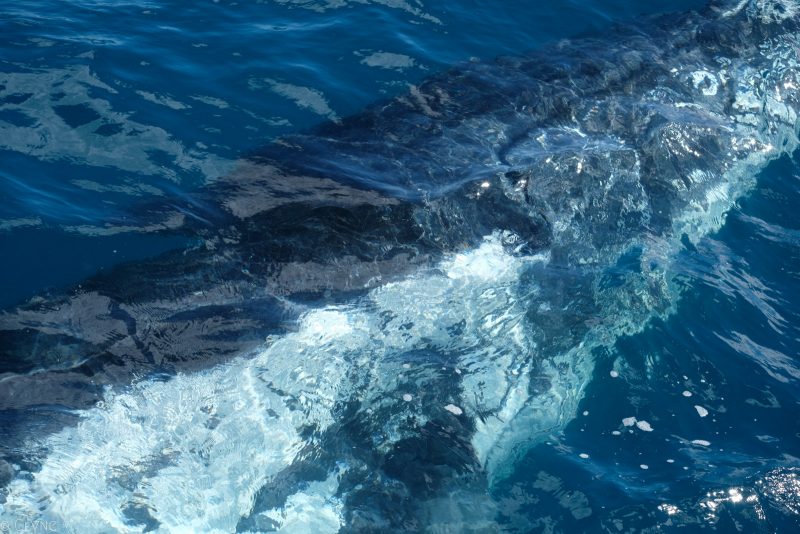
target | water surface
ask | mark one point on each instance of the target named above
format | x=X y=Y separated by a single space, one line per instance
x=110 y=111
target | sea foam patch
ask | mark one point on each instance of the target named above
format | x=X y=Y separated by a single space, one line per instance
x=193 y=451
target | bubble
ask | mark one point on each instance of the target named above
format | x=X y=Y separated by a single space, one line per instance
x=453 y=409
x=644 y=426
x=629 y=421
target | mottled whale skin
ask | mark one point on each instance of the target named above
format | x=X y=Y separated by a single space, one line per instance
x=394 y=308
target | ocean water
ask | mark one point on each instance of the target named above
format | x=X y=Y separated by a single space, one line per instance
x=199 y=86
x=660 y=407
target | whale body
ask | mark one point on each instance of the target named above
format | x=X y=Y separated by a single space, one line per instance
x=383 y=315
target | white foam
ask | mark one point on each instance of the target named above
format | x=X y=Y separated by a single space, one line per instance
x=705 y=81
x=194 y=450
x=644 y=426
x=314 y=509
x=453 y=409
x=488 y=261
x=629 y=421
x=323 y=326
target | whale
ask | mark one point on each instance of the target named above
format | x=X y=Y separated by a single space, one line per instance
x=383 y=315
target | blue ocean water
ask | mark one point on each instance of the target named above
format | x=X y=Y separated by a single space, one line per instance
x=723 y=369
x=201 y=85
x=691 y=424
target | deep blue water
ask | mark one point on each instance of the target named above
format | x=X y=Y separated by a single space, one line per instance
x=198 y=85
x=193 y=80
x=733 y=344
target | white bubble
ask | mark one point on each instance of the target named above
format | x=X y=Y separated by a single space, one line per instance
x=644 y=466
x=407 y=397
x=702 y=442
x=644 y=425
x=629 y=421
x=614 y=374
x=453 y=409
x=583 y=455
x=687 y=393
